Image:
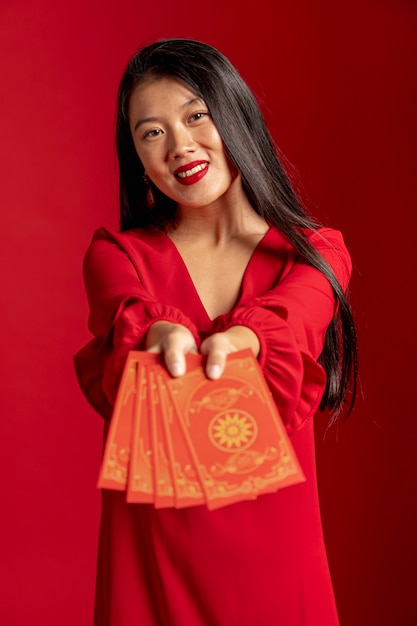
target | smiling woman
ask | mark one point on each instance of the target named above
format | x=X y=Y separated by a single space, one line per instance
x=178 y=144
x=214 y=254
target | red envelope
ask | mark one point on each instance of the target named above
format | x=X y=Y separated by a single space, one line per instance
x=164 y=493
x=233 y=430
x=190 y=440
x=140 y=479
x=187 y=486
x=115 y=464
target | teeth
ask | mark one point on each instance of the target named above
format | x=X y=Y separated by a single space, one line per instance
x=193 y=170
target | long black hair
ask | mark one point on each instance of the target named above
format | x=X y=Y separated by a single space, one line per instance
x=250 y=149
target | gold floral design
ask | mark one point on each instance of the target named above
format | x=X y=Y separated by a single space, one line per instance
x=233 y=430
x=222 y=398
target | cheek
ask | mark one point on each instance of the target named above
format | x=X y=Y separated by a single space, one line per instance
x=152 y=157
x=217 y=143
x=214 y=138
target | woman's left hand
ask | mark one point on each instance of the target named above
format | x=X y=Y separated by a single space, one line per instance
x=219 y=345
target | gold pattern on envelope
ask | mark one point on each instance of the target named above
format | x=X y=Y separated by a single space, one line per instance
x=232 y=430
x=185 y=477
x=140 y=479
x=117 y=462
x=220 y=399
x=244 y=462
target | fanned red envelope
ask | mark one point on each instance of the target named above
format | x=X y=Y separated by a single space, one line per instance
x=187 y=486
x=115 y=464
x=164 y=491
x=190 y=440
x=140 y=484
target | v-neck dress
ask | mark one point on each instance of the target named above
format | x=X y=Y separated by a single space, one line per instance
x=253 y=563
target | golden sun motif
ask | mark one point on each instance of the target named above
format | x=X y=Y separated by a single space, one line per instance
x=232 y=430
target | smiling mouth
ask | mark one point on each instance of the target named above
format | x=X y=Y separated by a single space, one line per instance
x=192 y=170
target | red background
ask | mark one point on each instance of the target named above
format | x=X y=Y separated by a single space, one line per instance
x=338 y=89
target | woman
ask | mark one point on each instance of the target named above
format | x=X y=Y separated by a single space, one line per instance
x=215 y=254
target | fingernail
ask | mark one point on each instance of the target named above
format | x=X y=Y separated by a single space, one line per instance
x=214 y=371
x=177 y=368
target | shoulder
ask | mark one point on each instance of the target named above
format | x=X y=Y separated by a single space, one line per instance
x=331 y=245
x=131 y=242
x=136 y=236
x=323 y=238
x=143 y=252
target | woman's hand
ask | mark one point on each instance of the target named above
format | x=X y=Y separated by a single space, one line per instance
x=219 y=345
x=175 y=341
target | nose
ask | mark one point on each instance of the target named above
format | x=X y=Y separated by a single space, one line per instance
x=180 y=143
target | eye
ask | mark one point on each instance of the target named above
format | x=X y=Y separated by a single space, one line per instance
x=199 y=115
x=154 y=132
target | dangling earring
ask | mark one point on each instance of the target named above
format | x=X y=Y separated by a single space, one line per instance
x=150 y=195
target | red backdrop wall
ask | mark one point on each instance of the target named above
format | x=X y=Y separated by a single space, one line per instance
x=338 y=89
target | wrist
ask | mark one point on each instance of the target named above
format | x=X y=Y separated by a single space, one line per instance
x=243 y=337
x=156 y=332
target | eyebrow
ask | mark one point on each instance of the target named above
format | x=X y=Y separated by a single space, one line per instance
x=146 y=120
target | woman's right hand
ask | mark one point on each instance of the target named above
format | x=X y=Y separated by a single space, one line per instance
x=175 y=341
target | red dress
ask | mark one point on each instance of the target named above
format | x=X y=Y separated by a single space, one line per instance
x=253 y=563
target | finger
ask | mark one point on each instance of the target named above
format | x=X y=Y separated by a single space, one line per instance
x=175 y=346
x=216 y=362
x=175 y=362
x=155 y=349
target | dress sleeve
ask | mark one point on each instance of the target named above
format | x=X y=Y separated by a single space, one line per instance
x=121 y=311
x=290 y=322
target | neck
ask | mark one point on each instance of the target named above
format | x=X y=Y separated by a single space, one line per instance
x=230 y=215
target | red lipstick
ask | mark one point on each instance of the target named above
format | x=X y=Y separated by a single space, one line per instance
x=191 y=172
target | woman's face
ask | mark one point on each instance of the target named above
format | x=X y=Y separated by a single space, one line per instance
x=178 y=143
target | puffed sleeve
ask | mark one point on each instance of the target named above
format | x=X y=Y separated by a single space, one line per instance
x=290 y=322
x=121 y=311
